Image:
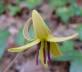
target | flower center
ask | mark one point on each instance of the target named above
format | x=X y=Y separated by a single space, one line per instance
x=46 y=51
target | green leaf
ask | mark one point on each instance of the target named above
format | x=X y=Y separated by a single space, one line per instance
x=67 y=45
x=75 y=10
x=33 y=3
x=19 y=40
x=20 y=1
x=2 y=9
x=79 y=29
x=57 y=3
x=71 y=1
x=76 y=65
x=71 y=55
x=31 y=32
x=2 y=47
x=65 y=18
x=68 y=51
x=14 y=9
x=64 y=14
x=80 y=11
x=4 y=34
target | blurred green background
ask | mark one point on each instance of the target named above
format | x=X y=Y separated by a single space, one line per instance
x=63 y=17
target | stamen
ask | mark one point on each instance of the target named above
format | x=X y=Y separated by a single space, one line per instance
x=48 y=44
x=37 y=53
x=44 y=53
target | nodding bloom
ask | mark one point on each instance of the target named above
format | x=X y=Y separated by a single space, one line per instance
x=46 y=42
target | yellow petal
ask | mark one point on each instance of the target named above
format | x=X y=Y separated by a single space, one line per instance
x=22 y=48
x=60 y=39
x=54 y=50
x=26 y=29
x=40 y=28
x=41 y=55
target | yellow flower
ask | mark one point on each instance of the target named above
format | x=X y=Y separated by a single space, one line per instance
x=46 y=43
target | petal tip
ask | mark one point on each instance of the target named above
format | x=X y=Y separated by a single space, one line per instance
x=9 y=50
x=77 y=34
x=34 y=12
x=13 y=50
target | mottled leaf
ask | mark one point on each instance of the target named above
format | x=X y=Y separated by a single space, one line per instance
x=19 y=40
x=14 y=9
x=76 y=65
x=68 y=51
x=33 y=3
x=4 y=34
x=79 y=29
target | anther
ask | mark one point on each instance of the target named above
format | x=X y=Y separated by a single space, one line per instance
x=48 y=51
x=37 y=52
x=44 y=53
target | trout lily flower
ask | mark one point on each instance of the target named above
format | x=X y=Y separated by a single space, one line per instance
x=46 y=42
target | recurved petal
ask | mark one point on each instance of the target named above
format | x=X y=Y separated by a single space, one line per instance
x=22 y=48
x=60 y=39
x=54 y=50
x=41 y=56
x=40 y=28
x=26 y=29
